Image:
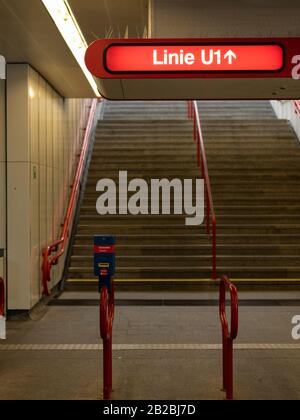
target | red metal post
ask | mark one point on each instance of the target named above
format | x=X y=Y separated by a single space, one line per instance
x=214 y=248
x=106 y=324
x=107 y=375
x=224 y=355
x=207 y=212
x=228 y=335
x=229 y=369
x=200 y=162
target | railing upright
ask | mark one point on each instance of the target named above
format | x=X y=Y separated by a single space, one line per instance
x=228 y=334
x=107 y=310
x=296 y=104
x=211 y=221
x=2 y=297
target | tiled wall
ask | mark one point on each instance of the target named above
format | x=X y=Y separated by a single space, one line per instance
x=44 y=139
x=2 y=179
x=285 y=110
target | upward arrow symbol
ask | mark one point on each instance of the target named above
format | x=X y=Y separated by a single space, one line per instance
x=230 y=55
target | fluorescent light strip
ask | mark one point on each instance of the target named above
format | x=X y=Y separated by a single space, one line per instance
x=67 y=25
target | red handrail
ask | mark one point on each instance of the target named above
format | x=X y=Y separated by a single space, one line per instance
x=211 y=220
x=229 y=335
x=59 y=246
x=2 y=297
x=297 y=107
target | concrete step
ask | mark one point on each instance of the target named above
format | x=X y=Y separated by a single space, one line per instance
x=159 y=135
x=185 y=273
x=179 y=220
x=188 y=129
x=145 y=157
x=230 y=211
x=215 y=174
x=222 y=164
x=147 y=174
x=226 y=201
x=211 y=123
x=161 y=153
x=211 y=149
x=197 y=238
x=193 y=261
x=197 y=249
x=96 y=228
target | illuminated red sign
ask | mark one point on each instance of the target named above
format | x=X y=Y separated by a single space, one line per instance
x=193 y=58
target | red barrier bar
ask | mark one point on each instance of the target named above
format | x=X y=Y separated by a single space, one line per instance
x=2 y=297
x=297 y=107
x=59 y=246
x=107 y=306
x=229 y=335
x=211 y=220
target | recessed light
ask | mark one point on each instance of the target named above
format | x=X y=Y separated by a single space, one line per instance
x=63 y=17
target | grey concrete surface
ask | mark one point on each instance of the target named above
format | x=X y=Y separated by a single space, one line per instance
x=145 y=374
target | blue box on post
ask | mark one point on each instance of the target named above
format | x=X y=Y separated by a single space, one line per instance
x=104 y=259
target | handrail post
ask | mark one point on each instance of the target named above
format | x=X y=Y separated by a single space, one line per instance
x=228 y=336
x=195 y=124
x=207 y=212
x=106 y=324
x=189 y=109
x=210 y=215
x=199 y=157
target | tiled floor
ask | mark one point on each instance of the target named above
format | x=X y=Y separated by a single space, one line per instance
x=152 y=373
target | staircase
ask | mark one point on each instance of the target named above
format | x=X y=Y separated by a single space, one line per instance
x=254 y=164
x=149 y=140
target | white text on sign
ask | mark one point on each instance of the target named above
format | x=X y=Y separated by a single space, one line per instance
x=206 y=57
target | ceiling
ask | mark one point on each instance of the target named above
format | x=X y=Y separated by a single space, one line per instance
x=111 y=18
x=28 y=35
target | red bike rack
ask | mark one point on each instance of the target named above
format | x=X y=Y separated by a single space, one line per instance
x=229 y=334
x=107 y=310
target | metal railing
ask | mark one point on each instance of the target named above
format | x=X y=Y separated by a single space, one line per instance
x=229 y=334
x=58 y=247
x=107 y=311
x=2 y=297
x=297 y=107
x=211 y=221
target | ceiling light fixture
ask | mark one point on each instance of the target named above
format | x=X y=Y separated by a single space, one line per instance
x=64 y=19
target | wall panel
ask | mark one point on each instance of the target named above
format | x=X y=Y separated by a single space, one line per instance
x=44 y=148
x=2 y=167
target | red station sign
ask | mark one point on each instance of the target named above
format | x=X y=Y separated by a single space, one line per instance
x=194 y=58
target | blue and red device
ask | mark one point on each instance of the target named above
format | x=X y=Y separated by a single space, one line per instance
x=105 y=259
